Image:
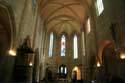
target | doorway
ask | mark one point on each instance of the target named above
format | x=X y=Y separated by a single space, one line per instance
x=76 y=73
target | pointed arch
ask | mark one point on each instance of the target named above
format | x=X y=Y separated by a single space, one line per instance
x=8 y=22
x=103 y=45
x=76 y=72
x=51 y=44
x=62 y=70
x=75 y=46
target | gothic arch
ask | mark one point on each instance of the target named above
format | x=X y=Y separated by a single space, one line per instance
x=76 y=71
x=7 y=22
x=62 y=71
x=7 y=39
x=104 y=45
x=7 y=27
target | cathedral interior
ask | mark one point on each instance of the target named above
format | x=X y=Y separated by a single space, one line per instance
x=62 y=41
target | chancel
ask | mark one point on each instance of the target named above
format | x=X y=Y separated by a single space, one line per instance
x=62 y=41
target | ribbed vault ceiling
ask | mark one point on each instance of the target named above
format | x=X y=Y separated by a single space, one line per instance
x=64 y=16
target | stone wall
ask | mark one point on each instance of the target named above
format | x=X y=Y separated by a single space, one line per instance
x=113 y=14
x=24 y=24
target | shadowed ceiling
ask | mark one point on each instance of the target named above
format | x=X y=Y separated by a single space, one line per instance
x=64 y=16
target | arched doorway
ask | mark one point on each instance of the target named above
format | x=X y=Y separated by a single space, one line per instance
x=76 y=73
x=7 y=32
x=109 y=59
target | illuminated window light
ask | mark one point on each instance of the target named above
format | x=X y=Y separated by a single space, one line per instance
x=88 y=26
x=65 y=70
x=51 y=45
x=61 y=69
x=75 y=47
x=99 y=6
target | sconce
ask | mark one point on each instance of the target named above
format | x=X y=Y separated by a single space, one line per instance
x=31 y=64
x=122 y=55
x=12 y=52
x=98 y=64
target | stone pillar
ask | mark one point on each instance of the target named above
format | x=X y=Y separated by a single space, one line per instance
x=26 y=22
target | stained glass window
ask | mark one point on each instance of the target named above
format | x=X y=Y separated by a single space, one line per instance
x=33 y=4
x=51 y=45
x=63 y=45
x=62 y=71
x=75 y=47
x=65 y=70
